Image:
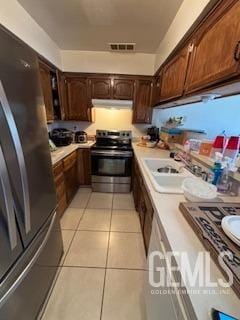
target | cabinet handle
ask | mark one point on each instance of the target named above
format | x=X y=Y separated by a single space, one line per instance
x=237 y=52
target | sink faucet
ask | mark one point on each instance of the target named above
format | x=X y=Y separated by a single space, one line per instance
x=193 y=168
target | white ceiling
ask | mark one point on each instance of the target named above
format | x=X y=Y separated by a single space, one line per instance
x=92 y=24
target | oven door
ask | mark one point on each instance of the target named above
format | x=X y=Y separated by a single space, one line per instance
x=111 y=163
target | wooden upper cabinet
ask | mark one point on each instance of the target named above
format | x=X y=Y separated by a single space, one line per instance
x=62 y=89
x=174 y=75
x=101 y=88
x=216 y=53
x=123 y=89
x=157 y=90
x=142 y=104
x=45 y=79
x=79 y=105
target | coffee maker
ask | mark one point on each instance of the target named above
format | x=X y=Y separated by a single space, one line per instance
x=153 y=132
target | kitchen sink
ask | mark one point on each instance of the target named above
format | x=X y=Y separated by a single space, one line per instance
x=166 y=175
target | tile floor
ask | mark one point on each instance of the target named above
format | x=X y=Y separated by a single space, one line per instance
x=103 y=267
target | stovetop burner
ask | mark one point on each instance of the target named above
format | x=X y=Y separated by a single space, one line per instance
x=206 y=222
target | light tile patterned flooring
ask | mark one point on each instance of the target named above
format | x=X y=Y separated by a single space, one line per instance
x=103 y=267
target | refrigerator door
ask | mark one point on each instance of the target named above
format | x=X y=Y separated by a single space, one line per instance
x=10 y=244
x=24 y=136
x=23 y=292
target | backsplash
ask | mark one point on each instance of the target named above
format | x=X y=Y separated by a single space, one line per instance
x=212 y=117
x=105 y=118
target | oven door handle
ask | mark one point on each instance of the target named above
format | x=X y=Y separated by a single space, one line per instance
x=111 y=153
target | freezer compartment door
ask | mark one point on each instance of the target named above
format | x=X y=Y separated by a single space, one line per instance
x=24 y=136
x=24 y=291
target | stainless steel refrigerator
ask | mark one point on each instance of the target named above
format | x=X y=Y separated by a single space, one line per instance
x=30 y=236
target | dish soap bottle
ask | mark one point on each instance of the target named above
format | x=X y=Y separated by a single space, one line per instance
x=217 y=168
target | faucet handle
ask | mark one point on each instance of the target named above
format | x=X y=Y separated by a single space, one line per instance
x=197 y=170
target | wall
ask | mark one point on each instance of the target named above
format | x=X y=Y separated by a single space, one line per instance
x=108 y=62
x=213 y=117
x=185 y=17
x=17 y=20
x=106 y=118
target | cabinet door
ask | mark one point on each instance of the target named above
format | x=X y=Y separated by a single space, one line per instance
x=137 y=182
x=123 y=89
x=142 y=211
x=174 y=76
x=71 y=182
x=157 y=90
x=62 y=89
x=84 y=167
x=70 y=175
x=101 y=88
x=142 y=105
x=60 y=188
x=216 y=52
x=79 y=107
x=147 y=229
x=45 y=79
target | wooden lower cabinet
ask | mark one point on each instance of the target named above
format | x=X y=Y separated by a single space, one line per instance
x=84 y=167
x=143 y=205
x=60 y=188
x=70 y=168
x=69 y=173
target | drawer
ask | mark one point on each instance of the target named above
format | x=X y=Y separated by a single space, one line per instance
x=70 y=161
x=58 y=169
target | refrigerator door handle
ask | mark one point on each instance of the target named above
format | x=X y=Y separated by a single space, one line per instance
x=27 y=269
x=20 y=156
x=8 y=201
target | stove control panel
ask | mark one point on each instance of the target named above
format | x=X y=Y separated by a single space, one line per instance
x=114 y=134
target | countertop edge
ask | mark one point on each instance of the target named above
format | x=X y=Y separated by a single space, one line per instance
x=62 y=152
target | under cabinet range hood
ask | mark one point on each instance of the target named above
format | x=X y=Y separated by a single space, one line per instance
x=112 y=103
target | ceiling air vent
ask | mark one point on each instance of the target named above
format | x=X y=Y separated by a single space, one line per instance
x=122 y=47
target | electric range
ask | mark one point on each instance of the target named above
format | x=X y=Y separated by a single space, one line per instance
x=205 y=219
x=111 y=157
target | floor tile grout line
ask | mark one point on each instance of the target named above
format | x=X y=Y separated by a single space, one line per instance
x=61 y=265
x=91 y=230
x=103 y=268
x=105 y=273
x=75 y=231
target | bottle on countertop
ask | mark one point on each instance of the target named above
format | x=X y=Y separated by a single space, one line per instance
x=217 y=168
x=223 y=184
x=232 y=149
x=219 y=144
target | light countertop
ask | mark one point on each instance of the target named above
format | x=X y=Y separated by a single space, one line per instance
x=62 y=152
x=180 y=237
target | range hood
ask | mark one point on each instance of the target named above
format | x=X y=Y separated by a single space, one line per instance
x=110 y=103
